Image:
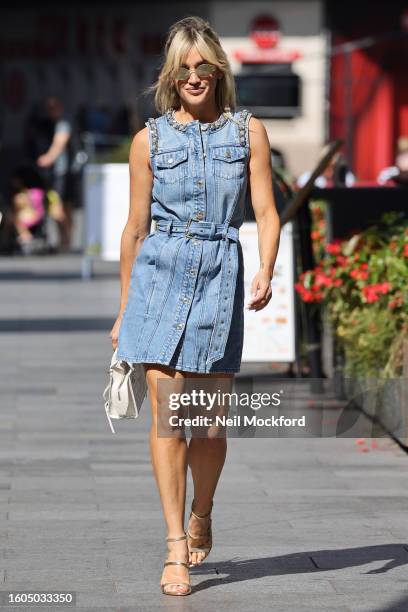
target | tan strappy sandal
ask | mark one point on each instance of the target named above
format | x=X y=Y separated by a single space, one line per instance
x=202 y=543
x=183 y=584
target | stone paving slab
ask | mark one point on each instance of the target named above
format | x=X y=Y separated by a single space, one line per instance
x=299 y=524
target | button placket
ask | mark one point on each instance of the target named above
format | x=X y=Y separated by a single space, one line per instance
x=203 y=136
x=188 y=285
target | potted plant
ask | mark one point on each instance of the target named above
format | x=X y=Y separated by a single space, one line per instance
x=363 y=284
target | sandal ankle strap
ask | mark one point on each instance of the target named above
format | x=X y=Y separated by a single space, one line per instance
x=176 y=563
x=183 y=537
x=201 y=515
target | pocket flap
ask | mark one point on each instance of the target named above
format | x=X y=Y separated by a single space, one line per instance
x=229 y=153
x=169 y=159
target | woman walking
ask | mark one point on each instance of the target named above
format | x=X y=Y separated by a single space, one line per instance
x=182 y=292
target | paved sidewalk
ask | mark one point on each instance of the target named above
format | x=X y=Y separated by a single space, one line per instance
x=299 y=524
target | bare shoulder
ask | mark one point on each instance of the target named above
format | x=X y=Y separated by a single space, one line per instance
x=256 y=125
x=139 y=149
x=140 y=140
x=258 y=136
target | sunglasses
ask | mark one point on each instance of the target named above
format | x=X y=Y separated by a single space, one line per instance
x=202 y=71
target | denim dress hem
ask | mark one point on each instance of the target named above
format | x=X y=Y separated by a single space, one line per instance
x=183 y=368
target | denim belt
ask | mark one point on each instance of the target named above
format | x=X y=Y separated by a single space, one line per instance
x=206 y=230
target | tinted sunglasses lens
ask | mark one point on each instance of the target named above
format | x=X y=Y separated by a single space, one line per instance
x=182 y=74
x=205 y=70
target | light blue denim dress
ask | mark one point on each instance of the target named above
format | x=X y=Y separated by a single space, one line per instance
x=185 y=305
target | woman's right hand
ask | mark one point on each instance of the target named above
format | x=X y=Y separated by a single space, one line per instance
x=114 y=332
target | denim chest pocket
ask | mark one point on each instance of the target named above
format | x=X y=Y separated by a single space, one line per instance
x=229 y=161
x=172 y=166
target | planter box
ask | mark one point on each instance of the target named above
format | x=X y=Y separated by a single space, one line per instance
x=384 y=402
x=106 y=205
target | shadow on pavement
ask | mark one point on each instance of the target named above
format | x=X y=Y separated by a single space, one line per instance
x=393 y=555
x=397 y=606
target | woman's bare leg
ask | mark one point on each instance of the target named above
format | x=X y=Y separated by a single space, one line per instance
x=206 y=458
x=169 y=461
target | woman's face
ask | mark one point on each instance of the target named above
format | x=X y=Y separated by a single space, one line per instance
x=195 y=91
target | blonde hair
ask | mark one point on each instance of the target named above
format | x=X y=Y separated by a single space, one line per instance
x=188 y=32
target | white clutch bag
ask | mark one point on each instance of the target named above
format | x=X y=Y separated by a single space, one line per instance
x=125 y=391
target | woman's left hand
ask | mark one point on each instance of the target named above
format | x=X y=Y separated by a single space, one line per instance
x=261 y=292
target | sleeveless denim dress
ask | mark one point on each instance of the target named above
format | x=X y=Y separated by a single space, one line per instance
x=185 y=305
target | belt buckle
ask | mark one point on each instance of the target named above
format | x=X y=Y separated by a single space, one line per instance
x=186 y=233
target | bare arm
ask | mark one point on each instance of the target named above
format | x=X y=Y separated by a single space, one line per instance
x=266 y=215
x=59 y=142
x=139 y=219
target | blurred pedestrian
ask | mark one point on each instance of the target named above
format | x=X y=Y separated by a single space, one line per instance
x=57 y=161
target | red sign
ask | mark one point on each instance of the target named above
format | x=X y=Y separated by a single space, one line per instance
x=264 y=32
x=266 y=56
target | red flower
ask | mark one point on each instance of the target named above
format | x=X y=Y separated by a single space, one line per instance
x=334 y=248
x=307 y=295
x=405 y=251
x=323 y=279
x=370 y=294
x=316 y=235
x=341 y=260
x=359 y=274
x=384 y=287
